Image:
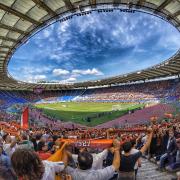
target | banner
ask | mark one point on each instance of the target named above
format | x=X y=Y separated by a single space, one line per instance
x=89 y=143
x=57 y=156
x=24 y=119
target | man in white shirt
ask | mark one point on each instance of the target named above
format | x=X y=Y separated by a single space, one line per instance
x=86 y=171
x=97 y=159
x=9 y=145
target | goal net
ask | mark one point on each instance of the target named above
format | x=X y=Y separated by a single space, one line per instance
x=116 y=107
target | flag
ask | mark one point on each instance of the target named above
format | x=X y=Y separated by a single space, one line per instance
x=24 y=118
x=56 y=157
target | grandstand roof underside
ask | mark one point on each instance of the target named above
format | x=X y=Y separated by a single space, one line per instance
x=20 y=19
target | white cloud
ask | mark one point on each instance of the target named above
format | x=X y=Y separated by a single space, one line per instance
x=139 y=50
x=70 y=45
x=46 y=33
x=93 y=71
x=63 y=26
x=39 y=77
x=69 y=80
x=58 y=72
x=60 y=56
x=34 y=79
x=172 y=41
x=34 y=70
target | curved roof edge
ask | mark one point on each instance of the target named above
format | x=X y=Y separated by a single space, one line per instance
x=19 y=21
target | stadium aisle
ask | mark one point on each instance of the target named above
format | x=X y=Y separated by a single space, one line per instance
x=148 y=172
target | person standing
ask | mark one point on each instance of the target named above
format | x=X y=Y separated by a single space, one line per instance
x=85 y=170
x=128 y=160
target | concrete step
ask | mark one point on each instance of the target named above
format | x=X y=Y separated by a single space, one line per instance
x=148 y=172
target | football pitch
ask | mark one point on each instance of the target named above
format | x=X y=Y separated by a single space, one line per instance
x=86 y=113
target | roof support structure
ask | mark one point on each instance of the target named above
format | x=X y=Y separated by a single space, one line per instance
x=45 y=7
x=140 y=2
x=148 y=75
x=2 y=56
x=170 y=69
x=118 y=80
x=3 y=46
x=92 y=3
x=163 y=5
x=144 y=75
x=7 y=39
x=2 y=51
x=18 y=14
x=68 y=4
x=176 y=14
x=163 y=71
x=175 y=67
x=11 y=28
x=152 y=72
x=133 y=78
x=116 y=2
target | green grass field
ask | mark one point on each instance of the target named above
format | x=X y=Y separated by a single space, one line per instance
x=80 y=111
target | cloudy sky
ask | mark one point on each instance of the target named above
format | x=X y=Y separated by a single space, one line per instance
x=95 y=46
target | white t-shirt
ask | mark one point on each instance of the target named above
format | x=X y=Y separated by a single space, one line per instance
x=91 y=174
x=51 y=168
x=97 y=159
x=8 y=150
x=144 y=139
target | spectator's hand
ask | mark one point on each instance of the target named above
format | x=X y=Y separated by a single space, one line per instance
x=149 y=130
x=111 y=150
x=110 y=130
x=82 y=149
x=116 y=144
x=68 y=177
x=69 y=154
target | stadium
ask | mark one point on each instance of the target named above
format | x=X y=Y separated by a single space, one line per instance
x=124 y=124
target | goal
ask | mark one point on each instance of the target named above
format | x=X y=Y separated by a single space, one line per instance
x=116 y=107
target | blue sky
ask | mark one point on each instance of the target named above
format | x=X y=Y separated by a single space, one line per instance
x=95 y=46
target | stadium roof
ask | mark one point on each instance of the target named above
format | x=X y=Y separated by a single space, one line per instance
x=21 y=19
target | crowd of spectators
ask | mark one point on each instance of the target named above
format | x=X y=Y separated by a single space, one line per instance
x=142 y=92
x=26 y=154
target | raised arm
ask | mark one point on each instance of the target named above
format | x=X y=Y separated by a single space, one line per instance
x=116 y=160
x=13 y=143
x=108 y=133
x=65 y=157
x=148 y=142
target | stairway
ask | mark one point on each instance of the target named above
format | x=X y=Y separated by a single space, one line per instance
x=148 y=172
